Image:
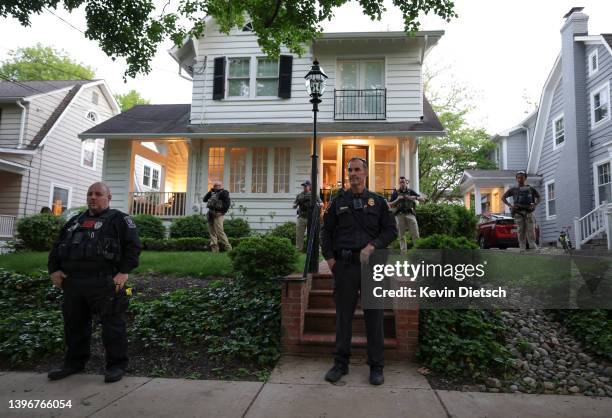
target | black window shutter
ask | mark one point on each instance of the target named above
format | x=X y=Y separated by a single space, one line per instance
x=284 y=76
x=219 y=79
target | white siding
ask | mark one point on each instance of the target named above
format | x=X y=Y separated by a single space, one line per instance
x=10 y=189
x=39 y=110
x=10 y=120
x=402 y=75
x=117 y=172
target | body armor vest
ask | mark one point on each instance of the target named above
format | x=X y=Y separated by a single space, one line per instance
x=524 y=197
x=215 y=203
x=405 y=205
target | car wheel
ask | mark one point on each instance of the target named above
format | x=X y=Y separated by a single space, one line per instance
x=502 y=247
x=482 y=243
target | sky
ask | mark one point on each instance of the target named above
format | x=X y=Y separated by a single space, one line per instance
x=501 y=51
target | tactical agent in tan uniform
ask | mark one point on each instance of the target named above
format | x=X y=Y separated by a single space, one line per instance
x=218 y=202
x=524 y=201
x=403 y=202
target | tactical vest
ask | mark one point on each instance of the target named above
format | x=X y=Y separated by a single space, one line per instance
x=524 y=197
x=91 y=239
x=303 y=201
x=405 y=205
x=215 y=203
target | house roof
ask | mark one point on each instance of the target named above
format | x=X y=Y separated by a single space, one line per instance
x=493 y=178
x=173 y=120
x=608 y=38
x=21 y=89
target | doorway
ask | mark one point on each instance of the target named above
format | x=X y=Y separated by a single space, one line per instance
x=348 y=152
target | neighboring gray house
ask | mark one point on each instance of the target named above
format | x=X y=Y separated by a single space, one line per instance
x=42 y=160
x=566 y=145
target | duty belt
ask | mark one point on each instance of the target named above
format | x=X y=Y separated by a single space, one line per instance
x=348 y=256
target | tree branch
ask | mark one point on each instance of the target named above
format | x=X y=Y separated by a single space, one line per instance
x=271 y=20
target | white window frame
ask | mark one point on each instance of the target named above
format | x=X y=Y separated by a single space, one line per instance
x=548 y=216
x=253 y=62
x=95 y=156
x=596 y=164
x=254 y=77
x=60 y=186
x=87 y=112
x=227 y=78
x=605 y=87
x=595 y=54
x=554 y=133
x=153 y=170
x=144 y=167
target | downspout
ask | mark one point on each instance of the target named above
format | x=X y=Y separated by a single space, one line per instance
x=22 y=124
x=527 y=135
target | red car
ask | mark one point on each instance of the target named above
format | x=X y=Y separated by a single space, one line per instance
x=499 y=231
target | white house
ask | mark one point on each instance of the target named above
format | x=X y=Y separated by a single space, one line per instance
x=250 y=124
x=43 y=163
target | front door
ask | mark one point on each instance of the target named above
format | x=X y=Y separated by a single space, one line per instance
x=348 y=152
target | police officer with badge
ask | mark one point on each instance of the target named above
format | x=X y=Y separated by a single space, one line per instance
x=524 y=201
x=90 y=262
x=356 y=223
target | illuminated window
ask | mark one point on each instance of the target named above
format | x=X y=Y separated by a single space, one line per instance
x=282 y=163
x=260 y=171
x=215 y=165
x=238 y=159
x=384 y=167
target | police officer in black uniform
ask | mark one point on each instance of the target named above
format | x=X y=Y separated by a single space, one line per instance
x=91 y=260
x=356 y=223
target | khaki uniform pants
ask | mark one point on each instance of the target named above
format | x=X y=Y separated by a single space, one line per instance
x=217 y=235
x=407 y=221
x=300 y=230
x=526 y=229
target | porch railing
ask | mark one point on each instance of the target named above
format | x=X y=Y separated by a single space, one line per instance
x=162 y=204
x=7 y=226
x=369 y=104
x=590 y=225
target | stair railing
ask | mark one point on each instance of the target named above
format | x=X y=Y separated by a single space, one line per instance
x=315 y=224
x=590 y=225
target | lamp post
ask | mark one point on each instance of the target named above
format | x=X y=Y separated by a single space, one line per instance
x=315 y=86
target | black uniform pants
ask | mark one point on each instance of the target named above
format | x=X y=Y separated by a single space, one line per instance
x=84 y=298
x=347 y=284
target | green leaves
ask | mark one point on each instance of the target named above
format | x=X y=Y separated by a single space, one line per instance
x=129 y=100
x=134 y=29
x=39 y=232
x=592 y=327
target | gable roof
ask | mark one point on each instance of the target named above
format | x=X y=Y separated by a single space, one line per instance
x=607 y=37
x=21 y=89
x=173 y=120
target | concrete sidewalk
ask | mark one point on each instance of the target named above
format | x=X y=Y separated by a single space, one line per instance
x=295 y=389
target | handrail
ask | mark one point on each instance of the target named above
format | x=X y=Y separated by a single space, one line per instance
x=162 y=204
x=315 y=224
x=7 y=225
x=360 y=104
x=590 y=225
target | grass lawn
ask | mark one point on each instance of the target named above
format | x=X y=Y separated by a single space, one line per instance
x=183 y=263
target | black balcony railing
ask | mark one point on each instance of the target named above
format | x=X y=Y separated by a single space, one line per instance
x=369 y=104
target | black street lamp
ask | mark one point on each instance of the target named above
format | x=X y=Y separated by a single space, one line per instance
x=315 y=86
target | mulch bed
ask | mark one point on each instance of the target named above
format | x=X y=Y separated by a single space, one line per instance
x=177 y=362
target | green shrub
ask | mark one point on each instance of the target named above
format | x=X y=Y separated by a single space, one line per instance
x=231 y=320
x=236 y=228
x=263 y=257
x=445 y=242
x=463 y=342
x=189 y=226
x=39 y=232
x=175 y=244
x=592 y=327
x=286 y=230
x=447 y=219
x=150 y=226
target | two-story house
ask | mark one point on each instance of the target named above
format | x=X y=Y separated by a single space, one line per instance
x=43 y=163
x=566 y=145
x=250 y=124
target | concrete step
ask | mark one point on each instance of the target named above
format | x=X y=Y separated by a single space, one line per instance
x=323 y=320
x=329 y=340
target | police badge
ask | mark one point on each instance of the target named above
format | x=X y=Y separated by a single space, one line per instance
x=98 y=225
x=371 y=201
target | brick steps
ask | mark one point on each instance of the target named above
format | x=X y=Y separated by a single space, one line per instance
x=324 y=320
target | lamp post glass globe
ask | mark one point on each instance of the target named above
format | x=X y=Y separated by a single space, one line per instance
x=315 y=80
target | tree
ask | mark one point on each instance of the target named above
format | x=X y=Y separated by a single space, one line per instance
x=130 y=99
x=442 y=160
x=134 y=29
x=43 y=63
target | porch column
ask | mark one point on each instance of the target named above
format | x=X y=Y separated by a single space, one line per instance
x=414 y=165
x=404 y=158
x=192 y=174
x=466 y=199
x=477 y=200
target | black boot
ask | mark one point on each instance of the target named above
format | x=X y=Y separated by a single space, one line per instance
x=335 y=373
x=376 y=376
x=64 y=371
x=114 y=374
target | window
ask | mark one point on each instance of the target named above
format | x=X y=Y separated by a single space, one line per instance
x=94 y=97
x=384 y=169
x=248 y=27
x=551 y=210
x=238 y=159
x=558 y=129
x=267 y=77
x=593 y=62
x=88 y=153
x=216 y=160
x=239 y=78
x=92 y=116
x=282 y=169
x=260 y=171
x=604 y=189
x=600 y=105
x=60 y=199
x=146 y=176
x=155 y=179
x=330 y=164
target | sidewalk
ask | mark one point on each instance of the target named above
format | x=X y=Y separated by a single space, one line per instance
x=295 y=389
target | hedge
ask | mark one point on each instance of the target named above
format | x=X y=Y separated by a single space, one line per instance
x=149 y=226
x=39 y=232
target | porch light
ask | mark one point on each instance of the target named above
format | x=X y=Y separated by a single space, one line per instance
x=315 y=86
x=315 y=80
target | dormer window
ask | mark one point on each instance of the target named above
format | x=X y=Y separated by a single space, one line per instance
x=248 y=27
x=593 y=62
x=92 y=116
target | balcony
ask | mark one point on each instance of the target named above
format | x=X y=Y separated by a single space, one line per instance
x=162 y=204
x=369 y=104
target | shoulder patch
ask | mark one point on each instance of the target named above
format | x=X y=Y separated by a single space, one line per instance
x=129 y=221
